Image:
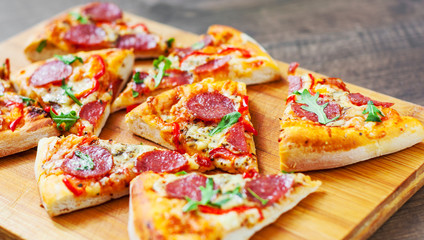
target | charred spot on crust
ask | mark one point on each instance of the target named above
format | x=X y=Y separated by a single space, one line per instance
x=34 y=112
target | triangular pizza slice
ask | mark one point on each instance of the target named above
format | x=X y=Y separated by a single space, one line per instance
x=76 y=172
x=208 y=119
x=78 y=89
x=22 y=121
x=223 y=53
x=220 y=206
x=324 y=125
x=94 y=26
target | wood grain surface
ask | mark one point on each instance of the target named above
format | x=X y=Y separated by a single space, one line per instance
x=375 y=44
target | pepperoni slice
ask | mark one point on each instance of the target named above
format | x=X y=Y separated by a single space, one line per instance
x=271 y=187
x=85 y=35
x=213 y=65
x=176 y=77
x=92 y=111
x=137 y=41
x=187 y=187
x=102 y=159
x=103 y=12
x=182 y=52
x=161 y=161
x=50 y=72
x=295 y=83
x=210 y=106
x=360 y=100
x=235 y=136
x=331 y=111
x=207 y=40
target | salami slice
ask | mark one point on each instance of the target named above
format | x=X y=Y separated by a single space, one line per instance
x=175 y=78
x=103 y=12
x=187 y=187
x=101 y=157
x=92 y=111
x=137 y=42
x=213 y=65
x=360 y=100
x=210 y=106
x=235 y=136
x=295 y=83
x=331 y=111
x=161 y=161
x=85 y=35
x=271 y=187
x=182 y=52
x=50 y=72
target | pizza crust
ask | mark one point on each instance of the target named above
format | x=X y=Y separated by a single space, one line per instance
x=304 y=146
x=146 y=205
x=48 y=51
x=26 y=137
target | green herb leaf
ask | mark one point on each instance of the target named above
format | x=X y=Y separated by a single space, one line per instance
x=77 y=16
x=136 y=78
x=227 y=121
x=161 y=64
x=181 y=173
x=263 y=201
x=286 y=172
x=191 y=205
x=207 y=192
x=69 y=119
x=135 y=93
x=68 y=59
x=169 y=42
x=141 y=143
x=313 y=106
x=86 y=162
x=198 y=45
x=236 y=191
x=41 y=46
x=28 y=101
x=68 y=91
x=373 y=112
x=221 y=202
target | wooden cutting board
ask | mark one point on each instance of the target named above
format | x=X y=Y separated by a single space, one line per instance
x=351 y=204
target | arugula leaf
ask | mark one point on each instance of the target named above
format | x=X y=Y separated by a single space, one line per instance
x=69 y=119
x=68 y=91
x=221 y=202
x=86 y=162
x=41 y=46
x=135 y=93
x=198 y=45
x=313 y=106
x=227 y=121
x=169 y=42
x=236 y=191
x=230 y=194
x=373 y=112
x=161 y=64
x=68 y=59
x=286 y=172
x=181 y=173
x=27 y=100
x=79 y=17
x=263 y=201
x=137 y=78
x=207 y=194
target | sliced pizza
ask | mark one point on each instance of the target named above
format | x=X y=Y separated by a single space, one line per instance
x=77 y=89
x=221 y=206
x=22 y=121
x=223 y=53
x=76 y=172
x=209 y=119
x=325 y=125
x=94 y=26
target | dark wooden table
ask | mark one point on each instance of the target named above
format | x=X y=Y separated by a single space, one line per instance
x=375 y=44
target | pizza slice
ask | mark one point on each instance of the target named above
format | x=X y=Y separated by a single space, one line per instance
x=76 y=172
x=22 y=121
x=220 y=206
x=77 y=89
x=209 y=119
x=94 y=26
x=223 y=53
x=325 y=125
